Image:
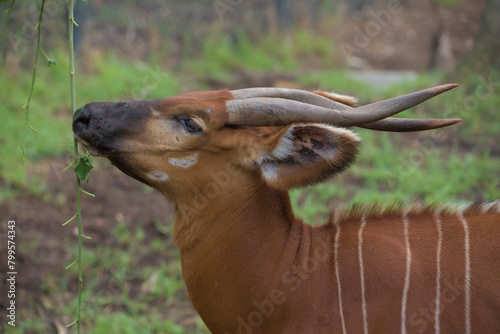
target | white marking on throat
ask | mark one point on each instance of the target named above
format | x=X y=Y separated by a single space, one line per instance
x=269 y=171
x=157 y=175
x=184 y=162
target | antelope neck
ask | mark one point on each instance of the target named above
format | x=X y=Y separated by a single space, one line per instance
x=235 y=250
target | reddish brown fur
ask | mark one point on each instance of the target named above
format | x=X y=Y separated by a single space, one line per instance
x=201 y=102
x=251 y=266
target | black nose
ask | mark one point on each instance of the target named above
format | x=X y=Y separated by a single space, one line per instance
x=81 y=120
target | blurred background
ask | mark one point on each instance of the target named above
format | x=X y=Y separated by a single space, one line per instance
x=371 y=49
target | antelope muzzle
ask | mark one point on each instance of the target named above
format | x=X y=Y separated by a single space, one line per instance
x=102 y=126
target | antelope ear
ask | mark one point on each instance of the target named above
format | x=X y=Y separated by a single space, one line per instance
x=305 y=154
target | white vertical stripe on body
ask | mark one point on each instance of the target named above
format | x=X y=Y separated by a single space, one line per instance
x=467 y=274
x=437 y=328
x=407 y=276
x=362 y=273
x=336 y=257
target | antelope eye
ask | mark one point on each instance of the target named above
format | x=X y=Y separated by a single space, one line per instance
x=191 y=126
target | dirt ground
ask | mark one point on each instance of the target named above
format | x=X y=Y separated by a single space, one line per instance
x=42 y=245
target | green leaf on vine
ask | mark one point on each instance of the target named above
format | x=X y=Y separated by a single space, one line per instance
x=83 y=168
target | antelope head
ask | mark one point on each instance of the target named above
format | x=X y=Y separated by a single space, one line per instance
x=282 y=137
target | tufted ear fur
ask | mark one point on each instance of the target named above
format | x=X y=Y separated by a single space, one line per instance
x=304 y=154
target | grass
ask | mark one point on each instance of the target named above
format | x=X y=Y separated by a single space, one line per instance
x=222 y=54
x=112 y=303
x=450 y=3
x=453 y=165
x=121 y=322
x=113 y=79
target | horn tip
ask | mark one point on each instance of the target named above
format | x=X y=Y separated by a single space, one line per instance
x=446 y=87
x=446 y=122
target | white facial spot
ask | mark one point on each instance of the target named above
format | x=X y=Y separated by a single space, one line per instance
x=157 y=175
x=269 y=171
x=184 y=162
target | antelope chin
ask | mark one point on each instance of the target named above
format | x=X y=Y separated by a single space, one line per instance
x=89 y=147
x=93 y=151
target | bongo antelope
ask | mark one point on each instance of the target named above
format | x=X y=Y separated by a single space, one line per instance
x=227 y=160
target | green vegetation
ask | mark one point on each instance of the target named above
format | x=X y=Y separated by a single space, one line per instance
x=122 y=323
x=380 y=170
x=220 y=57
x=449 y=165
x=121 y=307
x=110 y=79
x=450 y=3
